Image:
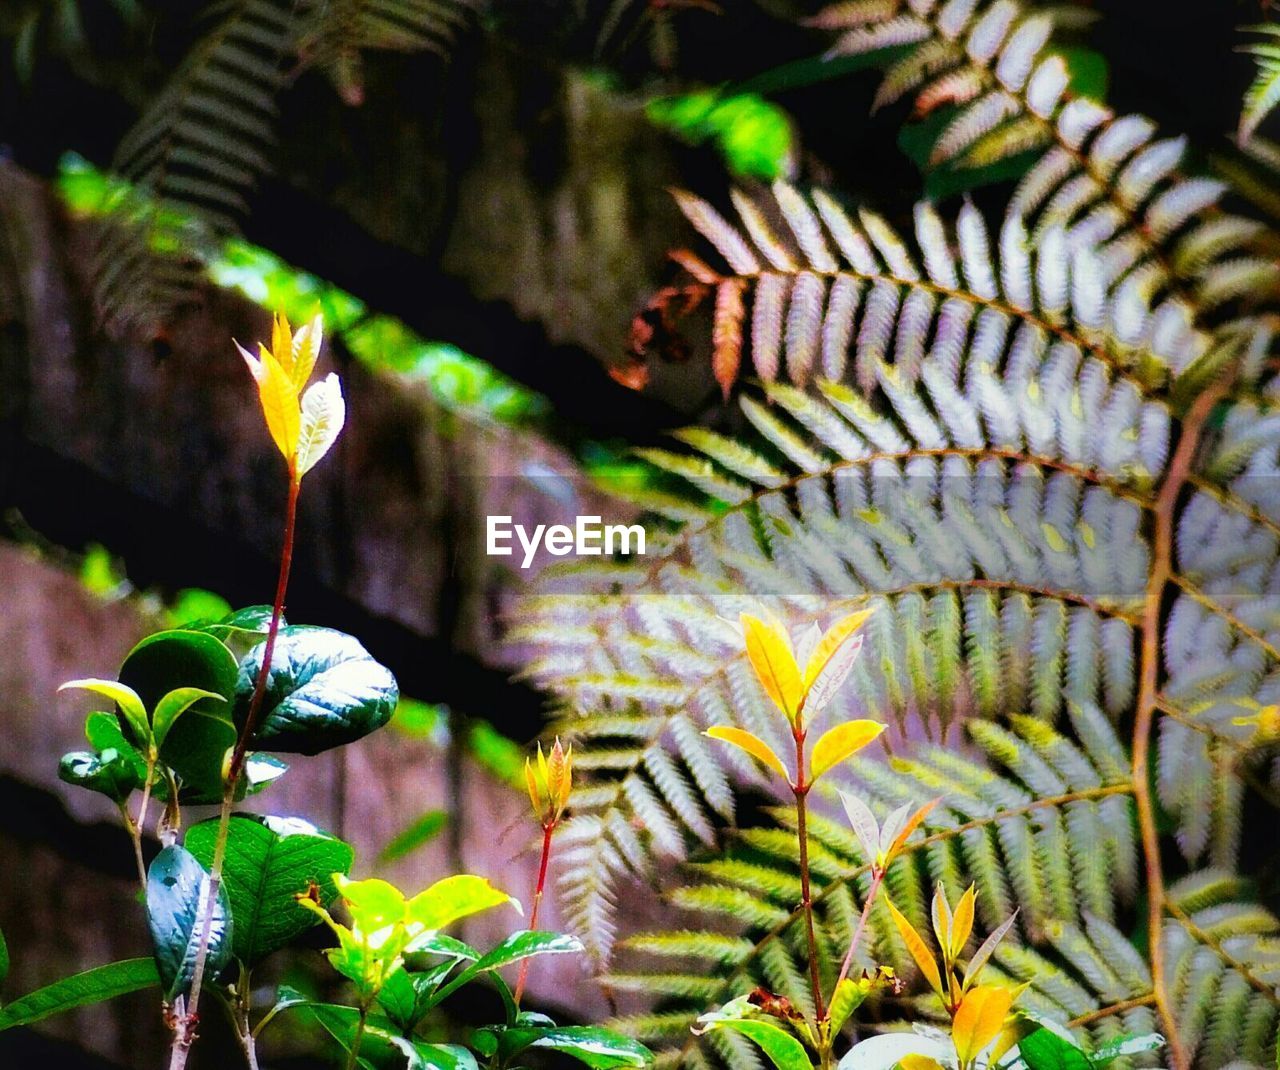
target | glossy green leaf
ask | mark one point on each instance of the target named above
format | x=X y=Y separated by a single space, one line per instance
x=92 y=986
x=323 y=691
x=1043 y=1050
x=594 y=1045
x=197 y=744
x=517 y=946
x=779 y=1046
x=109 y=773
x=177 y=886
x=173 y=706
x=382 y=1047
x=243 y=623
x=418 y=834
x=269 y=862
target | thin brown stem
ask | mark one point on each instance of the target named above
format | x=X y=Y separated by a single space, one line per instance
x=877 y=877
x=185 y=1029
x=135 y=835
x=547 y=831
x=801 y=790
x=1112 y=1009
x=1149 y=699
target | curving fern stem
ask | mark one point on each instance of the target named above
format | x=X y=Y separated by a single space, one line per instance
x=1162 y=572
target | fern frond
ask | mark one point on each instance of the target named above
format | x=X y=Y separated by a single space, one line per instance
x=1109 y=182
x=338 y=32
x=191 y=158
x=834 y=295
x=1263 y=94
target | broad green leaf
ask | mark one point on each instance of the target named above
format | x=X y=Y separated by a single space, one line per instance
x=323 y=690
x=250 y=621
x=1043 y=1050
x=109 y=773
x=599 y=1048
x=132 y=707
x=454 y=898
x=781 y=1047
x=177 y=887
x=841 y=742
x=517 y=946
x=269 y=862
x=770 y=655
x=886 y=1051
x=173 y=706
x=421 y=832
x=382 y=1047
x=323 y=414
x=197 y=744
x=752 y=744
x=194 y=608
x=80 y=990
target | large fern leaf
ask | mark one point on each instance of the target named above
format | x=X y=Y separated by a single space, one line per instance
x=1050 y=527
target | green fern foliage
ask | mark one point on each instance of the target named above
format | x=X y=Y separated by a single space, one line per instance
x=1263 y=94
x=1109 y=180
x=200 y=146
x=993 y=482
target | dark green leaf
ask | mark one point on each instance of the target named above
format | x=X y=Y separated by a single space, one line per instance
x=200 y=739
x=177 y=886
x=269 y=862
x=421 y=832
x=109 y=773
x=382 y=1047
x=4 y=959
x=323 y=690
x=252 y=620
x=80 y=990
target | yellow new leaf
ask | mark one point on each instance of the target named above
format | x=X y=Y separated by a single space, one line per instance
x=979 y=1019
x=832 y=640
x=769 y=651
x=940 y=910
x=918 y=949
x=840 y=742
x=278 y=397
x=753 y=745
x=323 y=414
x=962 y=922
x=305 y=351
x=919 y=1062
x=913 y=823
x=282 y=341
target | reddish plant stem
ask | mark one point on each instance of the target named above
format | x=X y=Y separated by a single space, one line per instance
x=1149 y=698
x=801 y=790
x=547 y=831
x=876 y=878
x=185 y=1028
